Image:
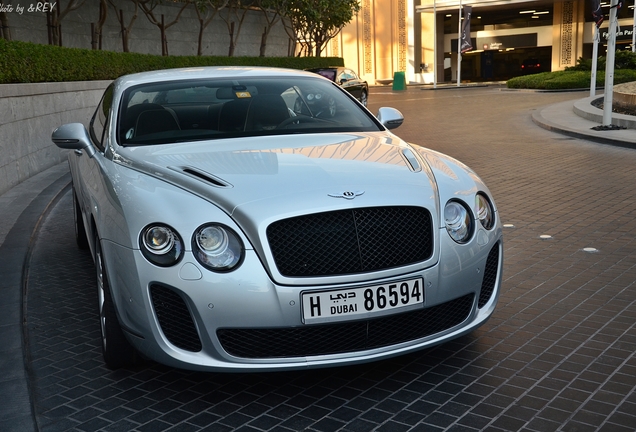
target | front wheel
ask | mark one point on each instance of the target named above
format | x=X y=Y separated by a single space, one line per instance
x=116 y=349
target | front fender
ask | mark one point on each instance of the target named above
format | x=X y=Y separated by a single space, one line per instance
x=454 y=179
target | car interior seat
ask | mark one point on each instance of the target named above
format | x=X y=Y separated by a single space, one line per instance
x=233 y=114
x=155 y=121
x=266 y=112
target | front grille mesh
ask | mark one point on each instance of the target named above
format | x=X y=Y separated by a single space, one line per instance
x=490 y=276
x=174 y=318
x=351 y=241
x=323 y=339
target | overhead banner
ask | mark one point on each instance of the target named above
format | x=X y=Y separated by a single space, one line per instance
x=466 y=44
x=597 y=13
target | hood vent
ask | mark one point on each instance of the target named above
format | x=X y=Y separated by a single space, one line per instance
x=411 y=160
x=204 y=176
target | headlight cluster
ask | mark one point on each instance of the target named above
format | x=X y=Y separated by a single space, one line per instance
x=161 y=245
x=459 y=223
x=459 y=219
x=485 y=212
x=215 y=246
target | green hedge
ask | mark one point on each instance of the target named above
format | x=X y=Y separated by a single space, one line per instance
x=622 y=60
x=568 y=79
x=24 y=62
x=578 y=76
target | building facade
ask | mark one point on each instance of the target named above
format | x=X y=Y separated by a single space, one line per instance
x=509 y=38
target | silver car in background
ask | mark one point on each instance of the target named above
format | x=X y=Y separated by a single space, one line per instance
x=237 y=225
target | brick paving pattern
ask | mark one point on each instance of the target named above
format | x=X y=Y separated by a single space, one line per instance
x=558 y=353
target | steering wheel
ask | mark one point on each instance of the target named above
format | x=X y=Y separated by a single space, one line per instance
x=299 y=119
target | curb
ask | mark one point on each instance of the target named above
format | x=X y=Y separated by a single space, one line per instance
x=579 y=118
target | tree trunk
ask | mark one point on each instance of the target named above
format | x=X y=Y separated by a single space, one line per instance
x=263 y=43
x=164 y=41
x=96 y=29
x=124 y=33
x=93 y=36
x=200 y=40
x=231 y=50
x=5 y=30
x=54 y=28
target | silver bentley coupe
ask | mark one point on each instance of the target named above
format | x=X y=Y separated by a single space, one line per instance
x=254 y=219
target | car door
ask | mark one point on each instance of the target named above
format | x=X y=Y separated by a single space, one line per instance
x=352 y=83
x=88 y=171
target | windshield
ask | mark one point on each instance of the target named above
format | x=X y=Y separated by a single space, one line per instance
x=177 y=111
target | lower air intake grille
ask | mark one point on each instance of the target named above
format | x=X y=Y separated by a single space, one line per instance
x=174 y=318
x=490 y=276
x=351 y=241
x=312 y=340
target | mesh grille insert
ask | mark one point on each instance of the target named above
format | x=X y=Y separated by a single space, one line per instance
x=351 y=241
x=311 y=340
x=174 y=318
x=490 y=276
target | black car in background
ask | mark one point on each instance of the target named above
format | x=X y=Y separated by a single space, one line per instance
x=531 y=66
x=348 y=80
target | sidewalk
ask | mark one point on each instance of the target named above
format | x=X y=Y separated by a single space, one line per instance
x=576 y=118
x=22 y=208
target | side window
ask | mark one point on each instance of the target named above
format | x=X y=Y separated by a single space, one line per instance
x=100 y=118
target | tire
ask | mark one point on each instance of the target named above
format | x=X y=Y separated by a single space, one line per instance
x=116 y=350
x=78 y=221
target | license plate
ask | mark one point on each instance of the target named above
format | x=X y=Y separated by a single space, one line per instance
x=350 y=303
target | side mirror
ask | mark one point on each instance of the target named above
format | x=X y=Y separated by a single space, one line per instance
x=390 y=117
x=73 y=136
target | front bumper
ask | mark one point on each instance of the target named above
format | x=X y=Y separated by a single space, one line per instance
x=190 y=318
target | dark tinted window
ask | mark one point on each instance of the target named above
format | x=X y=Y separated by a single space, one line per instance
x=100 y=118
x=177 y=111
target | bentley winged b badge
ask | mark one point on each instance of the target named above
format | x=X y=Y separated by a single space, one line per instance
x=346 y=194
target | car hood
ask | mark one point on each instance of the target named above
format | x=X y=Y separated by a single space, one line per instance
x=263 y=179
x=299 y=169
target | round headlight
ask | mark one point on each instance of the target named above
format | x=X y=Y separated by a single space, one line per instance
x=161 y=245
x=158 y=239
x=212 y=240
x=485 y=212
x=217 y=247
x=458 y=221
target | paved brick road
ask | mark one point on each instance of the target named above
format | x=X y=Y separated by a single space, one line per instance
x=558 y=354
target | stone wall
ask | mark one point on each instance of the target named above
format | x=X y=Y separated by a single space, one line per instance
x=31 y=26
x=28 y=115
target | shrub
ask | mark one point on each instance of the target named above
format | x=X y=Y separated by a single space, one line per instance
x=567 y=80
x=25 y=62
x=578 y=76
x=622 y=60
x=586 y=64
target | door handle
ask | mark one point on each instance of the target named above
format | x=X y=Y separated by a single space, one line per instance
x=78 y=152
